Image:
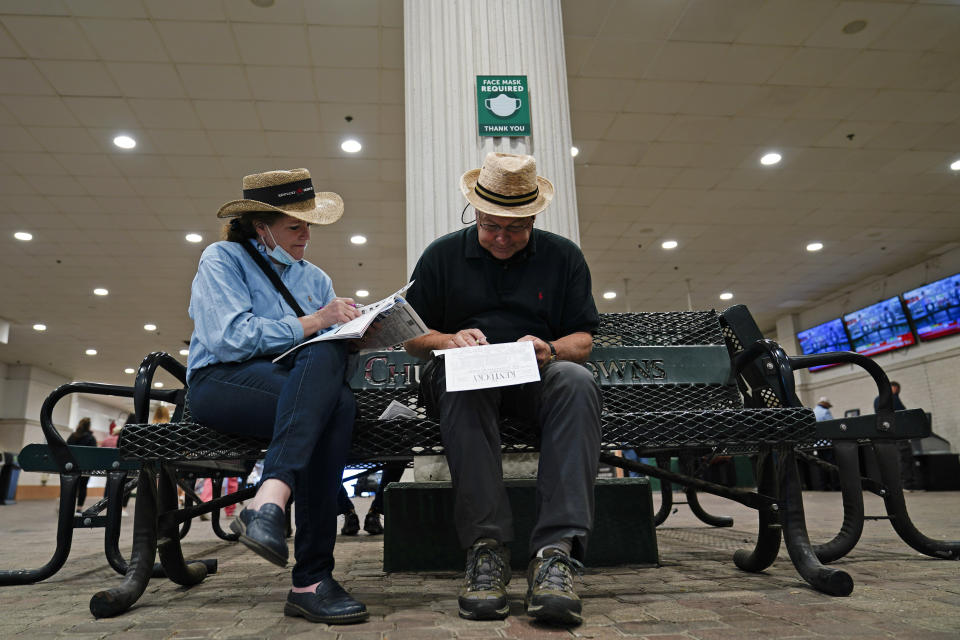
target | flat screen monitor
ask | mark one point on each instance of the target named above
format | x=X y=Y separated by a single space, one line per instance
x=878 y=328
x=935 y=308
x=822 y=338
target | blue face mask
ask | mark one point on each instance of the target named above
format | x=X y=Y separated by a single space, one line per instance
x=278 y=253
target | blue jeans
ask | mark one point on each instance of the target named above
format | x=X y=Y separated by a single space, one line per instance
x=306 y=410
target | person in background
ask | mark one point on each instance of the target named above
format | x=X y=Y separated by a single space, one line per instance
x=111 y=441
x=371 y=522
x=822 y=410
x=816 y=477
x=496 y=281
x=82 y=437
x=255 y=297
x=908 y=472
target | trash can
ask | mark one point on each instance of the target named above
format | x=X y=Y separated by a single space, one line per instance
x=9 y=473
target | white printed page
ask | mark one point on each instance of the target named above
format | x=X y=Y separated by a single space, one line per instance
x=491 y=365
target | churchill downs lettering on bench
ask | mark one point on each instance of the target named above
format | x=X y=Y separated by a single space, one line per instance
x=624 y=370
x=378 y=371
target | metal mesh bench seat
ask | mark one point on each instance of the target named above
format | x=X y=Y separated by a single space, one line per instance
x=724 y=432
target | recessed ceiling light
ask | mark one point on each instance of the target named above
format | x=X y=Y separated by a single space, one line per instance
x=351 y=146
x=669 y=244
x=771 y=158
x=609 y=295
x=955 y=165
x=157 y=384
x=23 y=235
x=125 y=142
x=726 y=295
x=358 y=239
x=194 y=237
x=128 y=370
x=91 y=352
x=184 y=352
x=149 y=327
x=39 y=327
x=574 y=151
x=263 y=4
x=100 y=291
x=815 y=246
x=362 y=293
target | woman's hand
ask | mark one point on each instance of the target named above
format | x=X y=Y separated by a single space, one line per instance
x=337 y=311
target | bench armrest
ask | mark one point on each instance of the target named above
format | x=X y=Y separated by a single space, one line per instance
x=143 y=386
x=783 y=366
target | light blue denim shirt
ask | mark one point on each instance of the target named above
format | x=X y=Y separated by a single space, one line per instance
x=237 y=312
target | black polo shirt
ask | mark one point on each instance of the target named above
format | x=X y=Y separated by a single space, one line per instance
x=543 y=290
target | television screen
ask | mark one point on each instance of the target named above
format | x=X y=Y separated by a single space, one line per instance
x=828 y=336
x=935 y=308
x=879 y=327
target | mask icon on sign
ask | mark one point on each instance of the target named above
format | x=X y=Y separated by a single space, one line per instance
x=503 y=105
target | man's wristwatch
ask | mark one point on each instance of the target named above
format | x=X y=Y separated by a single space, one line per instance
x=553 y=352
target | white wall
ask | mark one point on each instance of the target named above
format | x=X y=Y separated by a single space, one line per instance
x=929 y=372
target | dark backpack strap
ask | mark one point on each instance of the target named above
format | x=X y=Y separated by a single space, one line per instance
x=274 y=277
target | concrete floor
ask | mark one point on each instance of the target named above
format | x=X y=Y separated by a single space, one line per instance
x=696 y=593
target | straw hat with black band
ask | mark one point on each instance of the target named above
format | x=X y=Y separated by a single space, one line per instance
x=288 y=191
x=507 y=185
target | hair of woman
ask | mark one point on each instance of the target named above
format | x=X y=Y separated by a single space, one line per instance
x=241 y=228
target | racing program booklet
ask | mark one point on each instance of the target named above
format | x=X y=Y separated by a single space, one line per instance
x=382 y=324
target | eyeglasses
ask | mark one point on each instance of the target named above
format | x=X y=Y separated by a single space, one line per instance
x=510 y=228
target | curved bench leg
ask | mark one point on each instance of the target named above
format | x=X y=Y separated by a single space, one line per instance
x=833 y=582
x=69 y=482
x=769 y=533
x=888 y=458
x=848 y=464
x=666 y=494
x=693 y=500
x=168 y=547
x=116 y=481
x=106 y=604
x=714 y=521
x=215 y=515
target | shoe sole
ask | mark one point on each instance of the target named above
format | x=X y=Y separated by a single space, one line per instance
x=555 y=614
x=264 y=552
x=484 y=614
x=295 y=611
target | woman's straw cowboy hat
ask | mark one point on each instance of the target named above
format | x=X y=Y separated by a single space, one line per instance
x=507 y=185
x=290 y=192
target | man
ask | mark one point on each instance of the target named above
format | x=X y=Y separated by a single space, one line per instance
x=497 y=281
x=907 y=471
x=822 y=410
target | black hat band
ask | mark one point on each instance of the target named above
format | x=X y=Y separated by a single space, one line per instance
x=506 y=201
x=281 y=194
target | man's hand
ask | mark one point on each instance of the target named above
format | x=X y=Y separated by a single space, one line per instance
x=466 y=338
x=540 y=348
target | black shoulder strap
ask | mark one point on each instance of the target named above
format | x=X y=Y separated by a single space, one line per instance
x=274 y=278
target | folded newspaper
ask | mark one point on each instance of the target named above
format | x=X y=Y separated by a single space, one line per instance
x=382 y=324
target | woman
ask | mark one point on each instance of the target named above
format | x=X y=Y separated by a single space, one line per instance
x=302 y=403
x=82 y=437
x=111 y=441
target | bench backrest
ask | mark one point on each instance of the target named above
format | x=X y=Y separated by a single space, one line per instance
x=642 y=361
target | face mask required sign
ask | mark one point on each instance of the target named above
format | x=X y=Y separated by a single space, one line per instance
x=503 y=106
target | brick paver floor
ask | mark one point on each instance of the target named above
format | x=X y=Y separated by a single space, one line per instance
x=696 y=593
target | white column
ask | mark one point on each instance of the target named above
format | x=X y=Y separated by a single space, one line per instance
x=447 y=44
